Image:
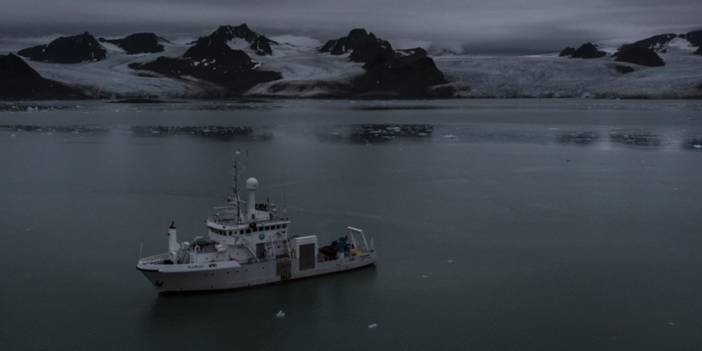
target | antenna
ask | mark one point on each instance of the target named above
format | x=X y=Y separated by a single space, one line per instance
x=236 y=185
x=246 y=164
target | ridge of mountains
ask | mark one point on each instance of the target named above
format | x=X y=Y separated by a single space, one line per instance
x=234 y=61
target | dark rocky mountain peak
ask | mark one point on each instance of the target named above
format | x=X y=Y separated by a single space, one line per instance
x=19 y=81
x=13 y=67
x=73 y=49
x=656 y=42
x=660 y=42
x=364 y=47
x=585 y=51
x=218 y=52
x=405 y=75
x=639 y=55
x=588 y=51
x=401 y=73
x=139 y=43
x=259 y=43
x=694 y=37
x=231 y=32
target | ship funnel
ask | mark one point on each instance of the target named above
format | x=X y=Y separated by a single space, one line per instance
x=251 y=186
x=173 y=245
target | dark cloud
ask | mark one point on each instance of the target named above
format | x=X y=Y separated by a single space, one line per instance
x=487 y=25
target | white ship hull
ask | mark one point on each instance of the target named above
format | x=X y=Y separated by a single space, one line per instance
x=231 y=275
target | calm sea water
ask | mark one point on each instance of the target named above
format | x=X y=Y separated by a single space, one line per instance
x=500 y=225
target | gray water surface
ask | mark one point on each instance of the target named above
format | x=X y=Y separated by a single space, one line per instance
x=500 y=225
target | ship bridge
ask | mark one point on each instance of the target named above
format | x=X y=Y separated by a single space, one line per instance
x=236 y=219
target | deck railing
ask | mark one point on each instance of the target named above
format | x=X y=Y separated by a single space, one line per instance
x=155 y=259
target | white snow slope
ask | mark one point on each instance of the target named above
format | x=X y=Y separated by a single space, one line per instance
x=111 y=76
x=308 y=73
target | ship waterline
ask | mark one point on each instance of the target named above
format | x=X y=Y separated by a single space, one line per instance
x=224 y=276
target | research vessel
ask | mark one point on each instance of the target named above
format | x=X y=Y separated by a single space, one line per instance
x=249 y=244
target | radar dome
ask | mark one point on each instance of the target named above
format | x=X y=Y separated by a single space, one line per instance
x=251 y=184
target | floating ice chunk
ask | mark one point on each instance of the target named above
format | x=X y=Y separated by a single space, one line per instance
x=280 y=314
x=372 y=325
x=449 y=136
x=450 y=260
x=671 y=323
x=424 y=276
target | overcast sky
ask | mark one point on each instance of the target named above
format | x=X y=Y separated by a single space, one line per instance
x=477 y=25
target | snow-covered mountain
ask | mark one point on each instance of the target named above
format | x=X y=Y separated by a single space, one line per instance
x=595 y=75
x=149 y=65
x=553 y=76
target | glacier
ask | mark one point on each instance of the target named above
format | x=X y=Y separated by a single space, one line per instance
x=307 y=73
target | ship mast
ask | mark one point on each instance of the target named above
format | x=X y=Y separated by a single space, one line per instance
x=236 y=187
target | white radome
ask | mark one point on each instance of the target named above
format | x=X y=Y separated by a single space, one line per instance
x=252 y=184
